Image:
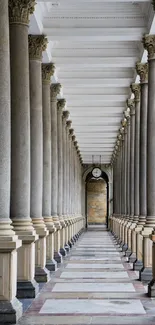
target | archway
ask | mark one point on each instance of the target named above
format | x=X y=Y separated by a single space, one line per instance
x=97 y=199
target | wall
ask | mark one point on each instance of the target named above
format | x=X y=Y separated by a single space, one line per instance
x=96 y=201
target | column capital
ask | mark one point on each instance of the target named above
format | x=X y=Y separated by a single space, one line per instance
x=135 y=88
x=69 y=123
x=61 y=104
x=131 y=105
x=20 y=10
x=127 y=115
x=47 y=71
x=55 y=90
x=71 y=132
x=37 y=45
x=124 y=122
x=73 y=138
x=65 y=115
x=149 y=45
x=142 y=71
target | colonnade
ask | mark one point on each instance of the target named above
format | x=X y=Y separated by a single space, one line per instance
x=134 y=177
x=41 y=186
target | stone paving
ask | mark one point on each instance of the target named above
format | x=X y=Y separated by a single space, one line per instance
x=94 y=285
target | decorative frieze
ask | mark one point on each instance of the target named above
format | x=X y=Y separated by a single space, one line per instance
x=47 y=71
x=149 y=45
x=20 y=10
x=37 y=45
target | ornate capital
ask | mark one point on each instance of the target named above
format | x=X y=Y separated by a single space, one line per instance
x=127 y=114
x=55 y=90
x=69 y=123
x=135 y=88
x=65 y=115
x=149 y=45
x=73 y=138
x=37 y=44
x=131 y=105
x=20 y=10
x=47 y=71
x=142 y=71
x=61 y=104
x=124 y=122
x=71 y=131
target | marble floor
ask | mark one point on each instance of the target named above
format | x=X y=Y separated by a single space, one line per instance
x=94 y=285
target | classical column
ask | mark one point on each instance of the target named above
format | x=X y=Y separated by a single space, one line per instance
x=55 y=89
x=10 y=307
x=65 y=180
x=149 y=44
x=136 y=90
x=60 y=106
x=37 y=44
x=47 y=72
x=131 y=105
x=19 y=12
x=142 y=70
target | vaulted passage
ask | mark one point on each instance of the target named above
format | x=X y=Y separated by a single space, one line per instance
x=95 y=285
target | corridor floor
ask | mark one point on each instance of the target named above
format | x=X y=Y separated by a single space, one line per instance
x=95 y=285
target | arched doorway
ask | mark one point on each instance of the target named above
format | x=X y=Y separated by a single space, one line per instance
x=97 y=199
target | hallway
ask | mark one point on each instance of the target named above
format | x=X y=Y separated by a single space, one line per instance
x=94 y=285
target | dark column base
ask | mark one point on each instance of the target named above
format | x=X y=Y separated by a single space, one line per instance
x=124 y=248
x=151 y=288
x=70 y=244
x=42 y=274
x=51 y=265
x=67 y=248
x=58 y=257
x=138 y=266
x=146 y=274
x=128 y=253
x=132 y=258
x=10 y=312
x=63 y=251
x=74 y=239
x=27 y=289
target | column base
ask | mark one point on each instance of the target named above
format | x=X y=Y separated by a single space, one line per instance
x=42 y=274
x=132 y=258
x=151 y=289
x=10 y=311
x=51 y=265
x=124 y=248
x=67 y=248
x=138 y=265
x=70 y=244
x=128 y=252
x=27 y=289
x=63 y=251
x=146 y=274
x=74 y=239
x=58 y=257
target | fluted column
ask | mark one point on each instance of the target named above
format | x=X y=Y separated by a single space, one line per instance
x=55 y=89
x=149 y=44
x=9 y=242
x=47 y=72
x=19 y=12
x=37 y=44
x=142 y=70
x=60 y=105
x=65 y=180
x=136 y=91
x=131 y=105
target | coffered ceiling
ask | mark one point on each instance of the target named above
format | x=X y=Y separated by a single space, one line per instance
x=94 y=45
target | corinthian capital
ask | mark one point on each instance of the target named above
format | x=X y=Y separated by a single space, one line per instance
x=55 y=90
x=20 y=10
x=65 y=115
x=142 y=71
x=131 y=105
x=37 y=44
x=61 y=104
x=135 y=88
x=47 y=71
x=149 y=45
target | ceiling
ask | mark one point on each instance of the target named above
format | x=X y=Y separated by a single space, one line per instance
x=94 y=45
